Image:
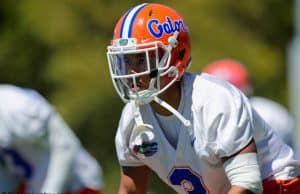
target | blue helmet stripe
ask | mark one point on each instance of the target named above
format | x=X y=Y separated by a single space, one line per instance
x=123 y=23
x=133 y=18
x=126 y=30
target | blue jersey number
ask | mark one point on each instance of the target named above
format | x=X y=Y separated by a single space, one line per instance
x=188 y=180
x=12 y=160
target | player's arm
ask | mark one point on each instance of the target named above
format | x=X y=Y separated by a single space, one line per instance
x=63 y=146
x=243 y=171
x=134 y=180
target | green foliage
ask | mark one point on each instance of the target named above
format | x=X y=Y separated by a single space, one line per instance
x=59 y=48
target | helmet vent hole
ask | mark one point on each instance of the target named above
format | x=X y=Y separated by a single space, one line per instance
x=181 y=54
x=150 y=12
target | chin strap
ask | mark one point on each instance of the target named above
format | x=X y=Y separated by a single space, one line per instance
x=185 y=122
x=138 y=117
x=142 y=138
x=140 y=123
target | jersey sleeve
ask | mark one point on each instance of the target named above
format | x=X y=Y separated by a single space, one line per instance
x=125 y=127
x=223 y=122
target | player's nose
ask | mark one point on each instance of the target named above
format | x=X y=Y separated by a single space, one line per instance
x=131 y=71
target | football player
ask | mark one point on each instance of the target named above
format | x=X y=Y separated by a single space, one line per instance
x=198 y=133
x=39 y=153
x=275 y=114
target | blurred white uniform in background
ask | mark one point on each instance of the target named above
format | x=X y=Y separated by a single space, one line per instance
x=38 y=151
x=275 y=114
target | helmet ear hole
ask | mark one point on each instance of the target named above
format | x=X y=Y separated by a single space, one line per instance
x=181 y=54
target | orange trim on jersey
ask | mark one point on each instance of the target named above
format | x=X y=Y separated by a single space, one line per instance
x=291 y=186
x=21 y=188
x=89 y=191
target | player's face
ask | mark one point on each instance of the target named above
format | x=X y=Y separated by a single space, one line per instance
x=134 y=69
x=137 y=63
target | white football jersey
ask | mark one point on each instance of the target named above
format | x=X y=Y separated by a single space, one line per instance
x=223 y=123
x=25 y=145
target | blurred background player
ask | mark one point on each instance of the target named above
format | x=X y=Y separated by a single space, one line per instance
x=38 y=151
x=275 y=114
